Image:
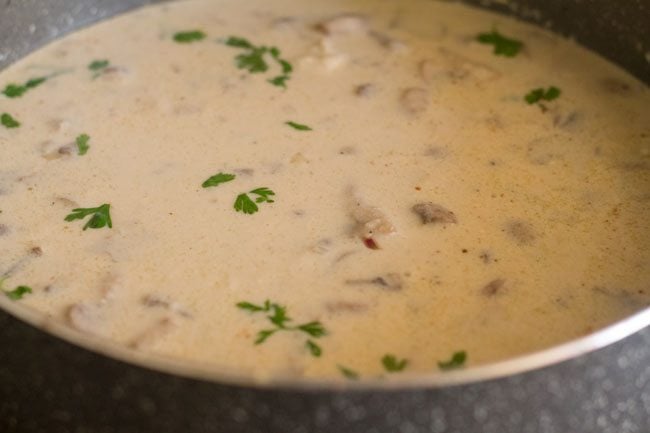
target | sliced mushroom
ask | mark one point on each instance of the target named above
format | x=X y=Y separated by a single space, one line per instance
x=432 y=213
x=454 y=67
x=415 y=100
x=157 y=301
x=343 y=24
x=87 y=317
x=3 y=229
x=366 y=90
x=522 y=232
x=371 y=221
x=493 y=287
x=150 y=336
x=391 y=281
x=346 y=307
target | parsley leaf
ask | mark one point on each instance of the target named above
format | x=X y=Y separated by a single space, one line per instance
x=314 y=349
x=98 y=65
x=277 y=315
x=253 y=59
x=245 y=204
x=298 y=126
x=349 y=374
x=263 y=335
x=457 y=361
x=315 y=329
x=218 y=179
x=392 y=364
x=537 y=95
x=188 y=37
x=17 y=90
x=255 y=308
x=503 y=46
x=8 y=121
x=82 y=144
x=16 y=293
x=101 y=216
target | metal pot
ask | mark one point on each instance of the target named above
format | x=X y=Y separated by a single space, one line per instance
x=600 y=383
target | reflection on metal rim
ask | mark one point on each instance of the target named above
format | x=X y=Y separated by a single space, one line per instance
x=219 y=375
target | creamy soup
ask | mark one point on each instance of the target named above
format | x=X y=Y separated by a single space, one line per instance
x=343 y=189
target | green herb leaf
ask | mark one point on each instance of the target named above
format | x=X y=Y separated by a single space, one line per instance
x=243 y=203
x=314 y=348
x=392 y=364
x=82 y=144
x=8 y=121
x=298 y=126
x=17 y=90
x=263 y=335
x=253 y=59
x=457 y=361
x=18 y=292
x=349 y=374
x=263 y=195
x=254 y=308
x=98 y=65
x=189 y=36
x=236 y=42
x=280 y=81
x=537 y=95
x=101 y=216
x=279 y=317
x=315 y=329
x=218 y=179
x=503 y=46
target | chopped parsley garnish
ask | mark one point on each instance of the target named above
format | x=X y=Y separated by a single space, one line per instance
x=392 y=364
x=101 y=216
x=218 y=179
x=253 y=59
x=245 y=204
x=538 y=95
x=188 y=37
x=98 y=67
x=17 y=90
x=298 y=126
x=503 y=46
x=457 y=361
x=349 y=374
x=82 y=144
x=8 y=121
x=277 y=315
x=18 y=292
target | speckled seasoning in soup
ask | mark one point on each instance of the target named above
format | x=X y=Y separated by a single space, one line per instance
x=342 y=189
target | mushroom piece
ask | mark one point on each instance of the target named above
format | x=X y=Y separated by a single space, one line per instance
x=343 y=24
x=391 y=281
x=431 y=213
x=151 y=335
x=520 y=231
x=493 y=287
x=456 y=68
x=87 y=317
x=415 y=100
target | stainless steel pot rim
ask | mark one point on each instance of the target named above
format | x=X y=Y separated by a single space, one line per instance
x=436 y=379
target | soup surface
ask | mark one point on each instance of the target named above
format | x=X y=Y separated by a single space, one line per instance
x=344 y=189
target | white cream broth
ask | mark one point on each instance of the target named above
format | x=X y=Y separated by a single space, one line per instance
x=536 y=214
